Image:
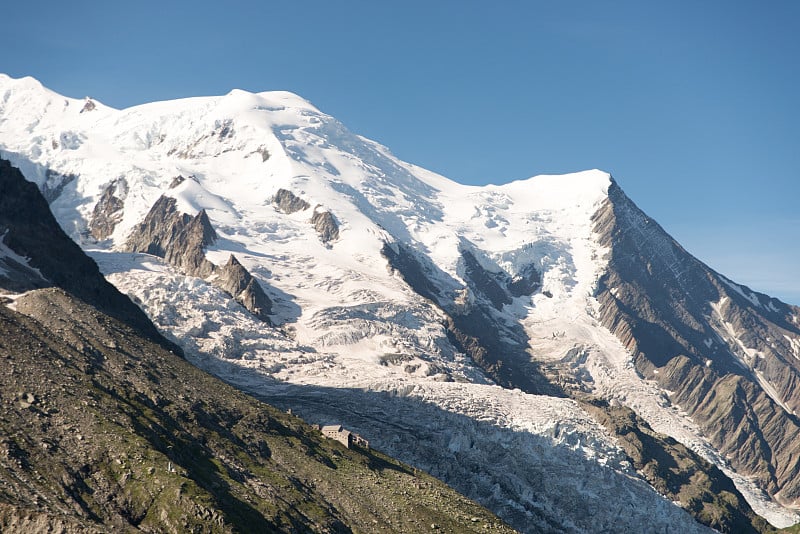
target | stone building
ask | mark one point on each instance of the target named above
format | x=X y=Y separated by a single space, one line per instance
x=344 y=436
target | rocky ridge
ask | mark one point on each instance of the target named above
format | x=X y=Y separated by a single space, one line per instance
x=709 y=342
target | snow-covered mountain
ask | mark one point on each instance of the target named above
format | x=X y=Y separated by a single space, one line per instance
x=474 y=332
x=106 y=428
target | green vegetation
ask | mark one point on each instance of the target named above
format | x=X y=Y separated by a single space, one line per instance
x=123 y=435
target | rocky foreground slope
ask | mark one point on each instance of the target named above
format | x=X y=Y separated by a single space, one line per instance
x=103 y=430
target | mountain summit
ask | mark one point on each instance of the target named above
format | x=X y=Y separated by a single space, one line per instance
x=538 y=345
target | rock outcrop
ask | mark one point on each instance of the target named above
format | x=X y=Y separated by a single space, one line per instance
x=182 y=239
x=496 y=285
x=108 y=211
x=326 y=226
x=177 y=237
x=178 y=180
x=55 y=183
x=287 y=202
x=492 y=285
x=323 y=220
x=237 y=281
x=678 y=473
x=526 y=282
x=88 y=106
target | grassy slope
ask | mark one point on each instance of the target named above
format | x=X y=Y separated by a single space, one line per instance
x=102 y=429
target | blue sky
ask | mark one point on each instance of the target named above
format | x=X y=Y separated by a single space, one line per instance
x=692 y=106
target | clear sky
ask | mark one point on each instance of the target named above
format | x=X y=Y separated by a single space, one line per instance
x=693 y=106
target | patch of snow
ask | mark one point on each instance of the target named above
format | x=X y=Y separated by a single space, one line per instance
x=9 y=254
x=746 y=356
x=794 y=343
x=770 y=390
x=10 y=299
x=740 y=290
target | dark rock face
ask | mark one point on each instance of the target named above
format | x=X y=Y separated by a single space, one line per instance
x=501 y=350
x=497 y=285
x=325 y=225
x=710 y=341
x=743 y=421
x=177 y=237
x=287 y=202
x=178 y=180
x=182 y=239
x=405 y=262
x=526 y=282
x=88 y=106
x=491 y=285
x=55 y=183
x=240 y=284
x=30 y=230
x=108 y=211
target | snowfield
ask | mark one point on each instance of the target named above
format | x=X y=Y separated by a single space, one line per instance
x=353 y=343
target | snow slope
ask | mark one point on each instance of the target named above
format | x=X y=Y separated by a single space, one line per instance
x=354 y=343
